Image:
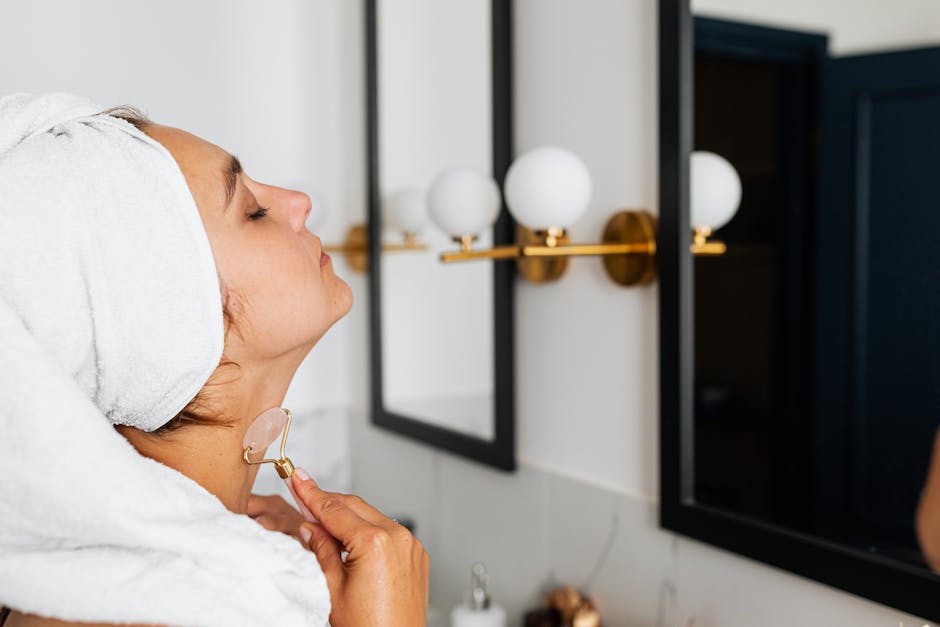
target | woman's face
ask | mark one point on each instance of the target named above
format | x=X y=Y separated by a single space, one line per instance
x=282 y=292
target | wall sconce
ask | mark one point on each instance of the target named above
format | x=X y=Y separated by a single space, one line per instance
x=463 y=202
x=715 y=197
x=404 y=210
x=548 y=189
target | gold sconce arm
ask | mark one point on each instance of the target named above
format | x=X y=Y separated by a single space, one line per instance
x=703 y=247
x=709 y=249
x=590 y=250
x=515 y=251
x=512 y=251
x=411 y=243
x=627 y=248
x=356 y=247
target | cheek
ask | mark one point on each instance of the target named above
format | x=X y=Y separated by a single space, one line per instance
x=282 y=301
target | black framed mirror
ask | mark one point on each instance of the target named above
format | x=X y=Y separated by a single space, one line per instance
x=800 y=378
x=439 y=95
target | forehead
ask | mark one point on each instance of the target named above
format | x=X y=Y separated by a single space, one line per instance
x=186 y=147
x=203 y=164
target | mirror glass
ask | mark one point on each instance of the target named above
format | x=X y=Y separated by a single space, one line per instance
x=817 y=343
x=434 y=95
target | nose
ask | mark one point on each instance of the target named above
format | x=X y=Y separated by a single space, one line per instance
x=300 y=207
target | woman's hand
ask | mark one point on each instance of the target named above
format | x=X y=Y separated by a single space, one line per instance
x=384 y=580
x=274 y=513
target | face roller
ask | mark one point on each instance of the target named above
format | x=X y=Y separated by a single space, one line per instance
x=261 y=433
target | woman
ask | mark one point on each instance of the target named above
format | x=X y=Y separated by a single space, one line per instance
x=279 y=295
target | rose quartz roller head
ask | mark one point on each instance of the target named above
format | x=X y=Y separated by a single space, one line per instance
x=264 y=430
x=259 y=436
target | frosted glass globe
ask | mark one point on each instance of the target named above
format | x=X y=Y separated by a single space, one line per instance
x=463 y=201
x=716 y=190
x=405 y=211
x=548 y=187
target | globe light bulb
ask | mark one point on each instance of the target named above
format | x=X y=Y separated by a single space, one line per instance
x=463 y=202
x=548 y=187
x=406 y=210
x=715 y=190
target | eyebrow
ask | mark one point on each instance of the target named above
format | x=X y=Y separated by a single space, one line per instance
x=230 y=174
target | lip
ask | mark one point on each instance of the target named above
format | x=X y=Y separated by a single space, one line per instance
x=324 y=259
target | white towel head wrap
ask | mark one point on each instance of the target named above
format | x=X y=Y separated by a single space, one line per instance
x=110 y=309
x=108 y=263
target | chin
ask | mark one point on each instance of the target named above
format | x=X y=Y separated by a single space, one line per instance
x=339 y=303
x=343 y=299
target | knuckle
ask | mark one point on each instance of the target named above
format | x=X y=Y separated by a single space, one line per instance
x=402 y=535
x=379 y=539
x=354 y=499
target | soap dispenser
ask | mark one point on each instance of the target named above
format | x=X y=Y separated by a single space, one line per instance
x=479 y=612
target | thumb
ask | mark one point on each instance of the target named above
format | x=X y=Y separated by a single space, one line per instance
x=327 y=550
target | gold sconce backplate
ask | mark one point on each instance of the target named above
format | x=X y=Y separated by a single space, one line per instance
x=631 y=227
x=540 y=269
x=357 y=239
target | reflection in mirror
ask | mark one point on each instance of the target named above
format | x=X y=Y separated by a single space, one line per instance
x=434 y=113
x=817 y=343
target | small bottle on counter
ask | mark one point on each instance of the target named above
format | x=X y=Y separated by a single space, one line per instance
x=479 y=612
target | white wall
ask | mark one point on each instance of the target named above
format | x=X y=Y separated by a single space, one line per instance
x=585 y=79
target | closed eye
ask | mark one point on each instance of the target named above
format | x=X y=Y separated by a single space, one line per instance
x=258 y=214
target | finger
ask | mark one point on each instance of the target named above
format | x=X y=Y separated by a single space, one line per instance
x=331 y=510
x=268 y=522
x=255 y=505
x=367 y=511
x=357 y=504
x=259 y=504
x=326 y=548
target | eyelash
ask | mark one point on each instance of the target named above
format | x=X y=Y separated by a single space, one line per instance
x=257 y=215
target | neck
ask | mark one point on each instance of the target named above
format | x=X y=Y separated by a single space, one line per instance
x=212 y=455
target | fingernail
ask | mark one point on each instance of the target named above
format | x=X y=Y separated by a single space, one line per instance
x=305 y=534
x=301 y=474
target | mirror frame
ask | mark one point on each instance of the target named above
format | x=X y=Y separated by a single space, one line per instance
x=501 y=451
x=875 y=577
